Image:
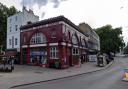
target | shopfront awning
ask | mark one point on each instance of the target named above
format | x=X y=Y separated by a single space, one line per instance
x=10 y=53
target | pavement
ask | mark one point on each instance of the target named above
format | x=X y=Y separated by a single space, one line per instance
x=110 y=78
x=25 y=75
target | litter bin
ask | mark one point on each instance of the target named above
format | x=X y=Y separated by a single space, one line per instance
x=100 y=61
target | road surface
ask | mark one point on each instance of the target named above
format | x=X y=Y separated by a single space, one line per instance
x=105 y=79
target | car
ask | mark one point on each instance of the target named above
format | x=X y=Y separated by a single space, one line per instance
x=125 y=75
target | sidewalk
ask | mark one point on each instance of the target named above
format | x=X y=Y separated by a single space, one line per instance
x=31 y=74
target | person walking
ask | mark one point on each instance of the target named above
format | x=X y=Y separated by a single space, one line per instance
x=12 y=64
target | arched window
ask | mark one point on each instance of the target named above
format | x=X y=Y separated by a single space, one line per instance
x=74 y=39
x=38 y=38
x=83 y=43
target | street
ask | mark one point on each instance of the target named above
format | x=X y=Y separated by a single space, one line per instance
x=105 y=79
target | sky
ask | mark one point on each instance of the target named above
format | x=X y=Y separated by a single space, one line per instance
x=96 y=13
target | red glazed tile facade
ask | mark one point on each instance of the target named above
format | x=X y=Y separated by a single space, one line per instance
x=65 y=45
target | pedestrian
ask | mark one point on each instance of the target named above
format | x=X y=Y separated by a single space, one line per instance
x=79 y=62
x=4 y=62
x=12 y=64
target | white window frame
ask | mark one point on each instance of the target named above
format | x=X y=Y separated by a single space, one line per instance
x=54 y=53
x=75 y=51
x=38 y=38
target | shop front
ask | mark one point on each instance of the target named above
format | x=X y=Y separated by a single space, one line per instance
x=38 y=57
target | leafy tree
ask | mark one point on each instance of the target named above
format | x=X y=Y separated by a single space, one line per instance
x=110 y=39
x=4 y=13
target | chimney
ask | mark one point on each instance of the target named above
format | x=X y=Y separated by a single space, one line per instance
x=31 y=11
x=24 y=8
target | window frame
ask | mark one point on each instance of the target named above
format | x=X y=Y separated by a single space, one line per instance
x=38 y=38
x=54 y=52
x=16 y=41
x=75 y=51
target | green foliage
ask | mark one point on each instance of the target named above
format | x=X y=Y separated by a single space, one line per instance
x=110 y=39
x=4 y=13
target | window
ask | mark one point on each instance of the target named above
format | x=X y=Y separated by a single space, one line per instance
x=53 y=34
x=16 y=27
x=15 y=41
x=83 y=43
x=16 y=18
x=10 y=42
x=54 y=53
x=74 y=40
x=10 y=29
x=10 y=20
x=38 y=38
x=75 y=51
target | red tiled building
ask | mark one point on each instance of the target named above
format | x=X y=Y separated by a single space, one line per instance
x=55 y=42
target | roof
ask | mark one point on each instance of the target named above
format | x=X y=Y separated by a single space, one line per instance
x=52 y=20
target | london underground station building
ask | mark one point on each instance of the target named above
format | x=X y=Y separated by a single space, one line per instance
x=54 y=42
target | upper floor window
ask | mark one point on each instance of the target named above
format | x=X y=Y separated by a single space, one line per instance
x=54 y=53
x=15 y=41
x=16 y=27
x=10 y=42
x=38 y=38
x=83 y=43
x=53 y=34
x=74 y=39
x=10 y=29
x=75 y=51
x=16 y=18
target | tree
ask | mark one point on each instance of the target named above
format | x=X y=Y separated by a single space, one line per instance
x=4 y=13
x=110 y=39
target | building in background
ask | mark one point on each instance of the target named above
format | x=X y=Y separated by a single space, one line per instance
x=14 y=23
x=54 y=42
x=93 y=39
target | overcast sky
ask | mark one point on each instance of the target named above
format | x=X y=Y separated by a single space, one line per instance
x=96 y=13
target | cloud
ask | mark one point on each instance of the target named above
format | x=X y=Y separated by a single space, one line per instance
x=41 y=3
x=43 y=14
x=30 y=4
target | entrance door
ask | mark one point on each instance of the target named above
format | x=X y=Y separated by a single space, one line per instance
x=69 y=54
x=24 y=56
